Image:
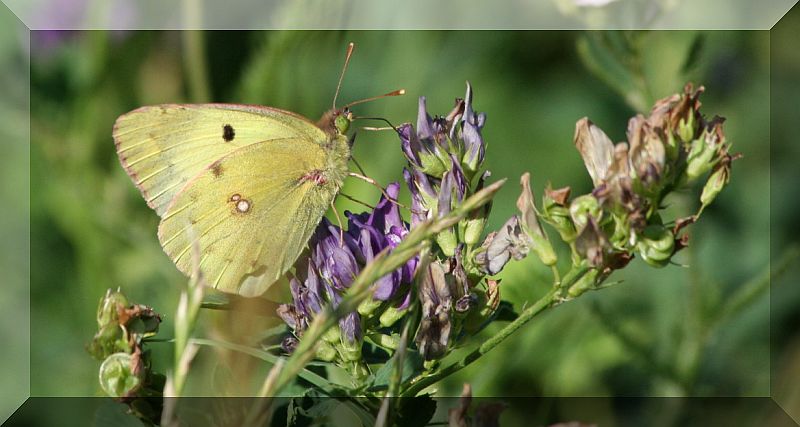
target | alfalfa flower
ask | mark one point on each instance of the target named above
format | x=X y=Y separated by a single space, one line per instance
x=337 y=257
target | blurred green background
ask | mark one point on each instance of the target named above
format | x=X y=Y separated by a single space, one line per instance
x=675 y=331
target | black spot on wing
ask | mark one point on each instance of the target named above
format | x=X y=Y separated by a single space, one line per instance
x=228 y=133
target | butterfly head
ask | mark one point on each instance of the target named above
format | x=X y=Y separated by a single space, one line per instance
x=336 y=122
x=342 y=120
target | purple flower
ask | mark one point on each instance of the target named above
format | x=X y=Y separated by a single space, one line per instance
x=474 y=147
x=423 y=194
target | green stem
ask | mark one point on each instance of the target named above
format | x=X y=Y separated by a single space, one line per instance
x=548 y=300
x=361 y=288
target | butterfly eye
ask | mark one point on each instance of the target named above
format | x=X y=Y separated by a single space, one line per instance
x=342 y=121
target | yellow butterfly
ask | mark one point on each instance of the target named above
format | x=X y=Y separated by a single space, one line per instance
x=245 y=184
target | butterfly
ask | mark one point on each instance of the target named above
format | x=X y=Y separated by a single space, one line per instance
x=246 y=185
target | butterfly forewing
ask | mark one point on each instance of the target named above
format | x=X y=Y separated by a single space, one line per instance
x=249 y=213
x=162 y=147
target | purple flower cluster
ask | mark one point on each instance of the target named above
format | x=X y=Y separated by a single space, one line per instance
x=443 y=154
x=337 y=257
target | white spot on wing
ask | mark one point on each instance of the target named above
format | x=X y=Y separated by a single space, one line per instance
x=243 y=205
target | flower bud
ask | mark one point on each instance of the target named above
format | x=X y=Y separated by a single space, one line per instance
x=717 y=181
x=704 y=151
x=474 y=147
x=686 y=129
x=473 y=227
x=700 y=159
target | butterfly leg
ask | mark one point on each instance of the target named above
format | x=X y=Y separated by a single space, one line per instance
x=341 y=227
x=353 y=199
x=360 y=169
x=378 y=186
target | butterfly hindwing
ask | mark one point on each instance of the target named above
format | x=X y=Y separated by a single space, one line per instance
x=249 y=213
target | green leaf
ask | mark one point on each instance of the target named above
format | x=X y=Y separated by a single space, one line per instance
x=412 y=365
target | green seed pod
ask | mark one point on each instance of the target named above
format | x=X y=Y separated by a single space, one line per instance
x=368 y=306
x=473 y=229
x=447 y=241
x=117 y=378
x=656 y=245
x=388 y=341
x=391 y=315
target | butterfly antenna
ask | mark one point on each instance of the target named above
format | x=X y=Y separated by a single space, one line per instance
x=347 y=55
x=397 y=92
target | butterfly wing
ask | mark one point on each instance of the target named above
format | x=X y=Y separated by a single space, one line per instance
x=162 y=147
x=249 y=213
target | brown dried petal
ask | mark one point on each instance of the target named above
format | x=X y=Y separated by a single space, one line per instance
x=647 y=153
x=560 y=195
x=596 y=149
x=526 y=206
x=434 y=330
